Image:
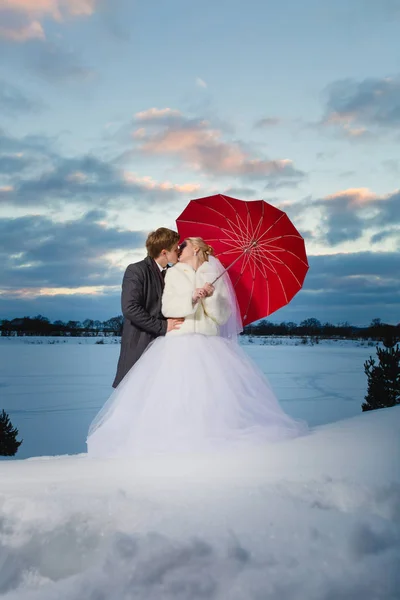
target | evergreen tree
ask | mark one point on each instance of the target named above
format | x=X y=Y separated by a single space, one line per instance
x=384 y=377
x=8 y=436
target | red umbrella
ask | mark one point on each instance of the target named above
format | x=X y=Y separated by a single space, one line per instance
x=263 y=250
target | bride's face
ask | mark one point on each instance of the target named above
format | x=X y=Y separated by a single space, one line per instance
x=186 y=251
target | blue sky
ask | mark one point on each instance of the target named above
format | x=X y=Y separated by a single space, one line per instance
x=114 y=114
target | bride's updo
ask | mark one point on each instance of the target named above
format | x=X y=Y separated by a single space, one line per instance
x=204 y=249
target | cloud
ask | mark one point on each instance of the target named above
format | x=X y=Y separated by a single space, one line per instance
x=361 y=109
x=392 y=232
x=149 y=184
x=201 y=83
x=23 y=33
x=326 y=155
x=159 y=117
x=267 y=122
x=51 y=61
x=241 y=192
x=38 y=175
x=13 y=101
x=54 y=63
x=347 y=173
x=277 y=184
x=22 y=20
x=117 y=17
x=67 y=270
x=38 y=144
x=348 y=214
x=351 y=279
x=13 y=163
x=373 y=265
x=18 y=156
x=37 y=253
x=354 y=287
x=392 y=165
x=202 y=148
x=76 y=307
x=55 y=9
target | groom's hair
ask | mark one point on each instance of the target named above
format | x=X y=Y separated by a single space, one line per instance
x=161 y=239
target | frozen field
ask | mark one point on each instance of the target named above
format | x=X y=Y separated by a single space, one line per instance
x=315 y=518
x=52 y=388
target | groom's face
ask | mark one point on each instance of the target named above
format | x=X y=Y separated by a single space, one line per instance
x=172 y=255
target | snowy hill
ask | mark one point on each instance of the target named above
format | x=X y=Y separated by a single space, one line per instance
x=315 y=518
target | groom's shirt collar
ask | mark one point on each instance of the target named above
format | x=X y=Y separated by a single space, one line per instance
x=160 y=267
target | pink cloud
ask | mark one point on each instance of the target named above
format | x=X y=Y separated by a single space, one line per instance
x=55 y=9
x=344 y=123
x=32 y=31
x=157 y=114
x=202 y=148
x=149 y=184
x=355 y=197
x=22 y=20
x=28 y=6
x=356 y=132
x=350 y=215
x=336 y=118
x=36 y=292
x=139 y=134
x=79 y=8
x=358 y=109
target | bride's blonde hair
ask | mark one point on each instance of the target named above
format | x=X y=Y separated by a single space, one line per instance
x=204 y=249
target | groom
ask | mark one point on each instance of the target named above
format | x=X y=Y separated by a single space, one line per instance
x=142 y=289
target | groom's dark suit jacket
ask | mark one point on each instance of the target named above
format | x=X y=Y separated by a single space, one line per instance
x=142 y=289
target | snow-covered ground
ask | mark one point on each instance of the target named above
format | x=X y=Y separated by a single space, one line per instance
x=53 y=387
x=317 y=518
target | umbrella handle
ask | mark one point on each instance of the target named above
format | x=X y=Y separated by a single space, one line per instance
x=235 y=261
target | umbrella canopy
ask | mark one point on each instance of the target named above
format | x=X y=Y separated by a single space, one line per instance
x=263 y=251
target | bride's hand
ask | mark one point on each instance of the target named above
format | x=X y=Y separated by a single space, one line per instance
x=198 y=294
x=209 y=289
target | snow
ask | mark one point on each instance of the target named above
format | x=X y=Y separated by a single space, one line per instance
x=315 y=518
x=53 y=387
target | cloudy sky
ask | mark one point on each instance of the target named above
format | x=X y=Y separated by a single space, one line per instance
x=115 y=113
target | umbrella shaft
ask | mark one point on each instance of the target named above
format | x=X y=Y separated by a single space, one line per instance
x=227 y=268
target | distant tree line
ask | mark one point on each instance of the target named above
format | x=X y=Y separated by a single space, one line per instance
x=377 y=330
x=41 y=326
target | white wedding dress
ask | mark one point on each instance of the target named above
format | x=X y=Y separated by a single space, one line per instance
x=192 y=390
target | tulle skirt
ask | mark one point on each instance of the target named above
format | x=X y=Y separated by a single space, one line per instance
x=190 y=393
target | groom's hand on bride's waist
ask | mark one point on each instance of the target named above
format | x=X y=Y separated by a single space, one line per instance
x=174 y=324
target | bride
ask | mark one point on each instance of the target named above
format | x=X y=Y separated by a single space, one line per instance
x=194 y=389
